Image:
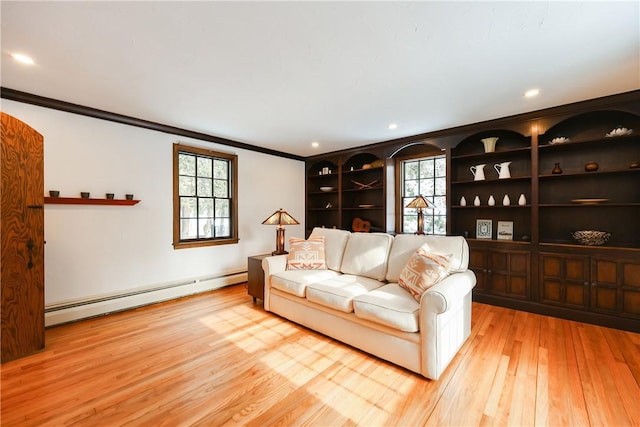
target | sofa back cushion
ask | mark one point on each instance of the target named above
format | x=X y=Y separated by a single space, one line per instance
x=456 y=246
x=405 y=245
x=335 y=242
x=366 y=255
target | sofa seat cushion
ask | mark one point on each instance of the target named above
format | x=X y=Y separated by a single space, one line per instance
x=389 y=305
x=295 y=281
x=338 y=293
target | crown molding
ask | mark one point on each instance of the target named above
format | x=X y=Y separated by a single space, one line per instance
x=55 y=104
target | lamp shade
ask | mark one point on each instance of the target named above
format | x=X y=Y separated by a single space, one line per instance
x=419 y=202
x=280 y=217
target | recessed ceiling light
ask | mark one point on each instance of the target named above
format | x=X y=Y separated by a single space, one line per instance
x=24 y=59
x=392 y=126
x=315 y=144
x=531 y=93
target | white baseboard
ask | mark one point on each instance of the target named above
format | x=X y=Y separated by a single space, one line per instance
x=71 y=311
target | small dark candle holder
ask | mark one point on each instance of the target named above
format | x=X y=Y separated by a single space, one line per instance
x=110 y=196
x=129 y=196
x=84 y=194
x=54 y=193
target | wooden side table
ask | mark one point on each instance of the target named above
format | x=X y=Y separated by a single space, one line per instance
x=255 y=276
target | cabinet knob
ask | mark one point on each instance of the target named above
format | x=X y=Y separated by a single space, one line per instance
x=586 y=283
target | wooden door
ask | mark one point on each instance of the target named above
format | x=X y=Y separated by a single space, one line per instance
x=478 y=264
x=509 y=273
x=615 y=286
x=564 y=280
x=22 y=239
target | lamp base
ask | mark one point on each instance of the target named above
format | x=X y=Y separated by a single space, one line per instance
x=279 y=242
x=420 y=222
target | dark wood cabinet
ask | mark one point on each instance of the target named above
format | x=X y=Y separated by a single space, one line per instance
x=255 y=276
x=501 y=271
x=600 y=284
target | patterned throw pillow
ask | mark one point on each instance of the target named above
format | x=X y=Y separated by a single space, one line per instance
x=423 y=270
x=306 y=254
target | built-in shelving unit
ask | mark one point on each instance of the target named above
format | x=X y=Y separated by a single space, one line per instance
x=354 y=188
x=543 y=269
x=511 y=147
x=607 y=199
x=323 y=195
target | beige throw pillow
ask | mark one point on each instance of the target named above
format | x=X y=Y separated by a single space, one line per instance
x=423 y=270
x=306 y=254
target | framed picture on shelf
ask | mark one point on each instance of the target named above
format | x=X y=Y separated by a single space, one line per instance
x=483 y=228
x=505 y=230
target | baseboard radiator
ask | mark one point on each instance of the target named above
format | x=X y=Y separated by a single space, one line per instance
x=71 y=311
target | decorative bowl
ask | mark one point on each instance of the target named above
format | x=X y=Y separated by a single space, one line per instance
x=325 y=189
x=620 y=131
x=591 y=237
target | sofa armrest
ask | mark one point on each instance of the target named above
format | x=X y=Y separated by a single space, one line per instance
x=445 y=321
x=272 y=265
x=447 y=293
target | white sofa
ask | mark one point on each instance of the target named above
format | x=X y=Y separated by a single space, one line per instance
x=358 y=301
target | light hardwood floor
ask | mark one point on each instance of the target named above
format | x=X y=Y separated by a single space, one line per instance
x=217 y=359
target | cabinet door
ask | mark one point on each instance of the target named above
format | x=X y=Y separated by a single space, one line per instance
x=477 y=264
x=564 y=280
x=615 y=286
x=508 y=273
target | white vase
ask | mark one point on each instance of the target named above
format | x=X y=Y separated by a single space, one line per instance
x=476 y=201
x=489 y=144
x=522 y=200
x=463 y=201
x=491 y=201
x=506 y=201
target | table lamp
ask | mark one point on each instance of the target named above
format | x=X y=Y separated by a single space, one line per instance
x=280 y=218
x=419 y=203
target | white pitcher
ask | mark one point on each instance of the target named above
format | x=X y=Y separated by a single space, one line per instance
x=503 y=170
x=478 y=172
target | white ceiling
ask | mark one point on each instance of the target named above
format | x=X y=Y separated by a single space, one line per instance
x=283 y=74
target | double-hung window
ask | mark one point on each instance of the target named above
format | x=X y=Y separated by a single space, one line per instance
x=204 y=197
x=425 y=176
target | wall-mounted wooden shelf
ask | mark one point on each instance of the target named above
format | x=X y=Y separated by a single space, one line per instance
x=81 y=201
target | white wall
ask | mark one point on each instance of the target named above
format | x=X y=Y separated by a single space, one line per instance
x=96 y=250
